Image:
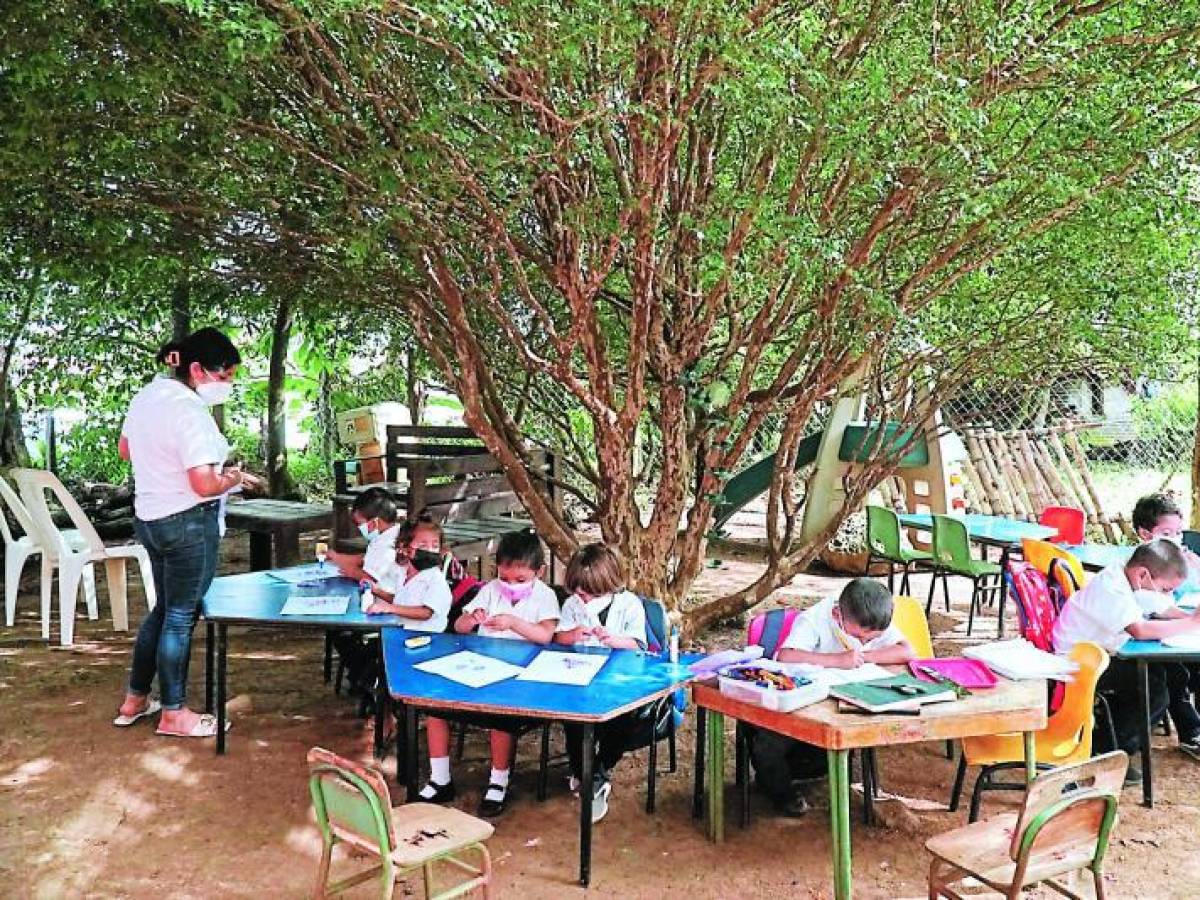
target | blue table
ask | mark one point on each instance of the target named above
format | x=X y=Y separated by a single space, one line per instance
x=1144 y=653
x=1095 y=557
x=628 y=680
x=256 y=598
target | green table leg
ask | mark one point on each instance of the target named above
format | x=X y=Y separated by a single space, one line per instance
x=1030 y=757
x=839 y=816
x=716 y=776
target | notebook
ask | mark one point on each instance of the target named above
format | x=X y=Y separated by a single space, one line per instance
x=898 y=693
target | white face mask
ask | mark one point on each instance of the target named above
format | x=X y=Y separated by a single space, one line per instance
x=365 y=530
x=214 y=393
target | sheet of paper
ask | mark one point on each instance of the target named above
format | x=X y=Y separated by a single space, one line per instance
x=1190 y=641
x=830 y=677
x=316 y=605
x=554 y=667
x=304 y=574
x=470 y=668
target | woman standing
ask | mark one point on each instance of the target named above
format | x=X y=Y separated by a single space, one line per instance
x=178 y=456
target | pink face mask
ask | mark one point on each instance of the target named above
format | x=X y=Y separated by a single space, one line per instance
x=514 y=593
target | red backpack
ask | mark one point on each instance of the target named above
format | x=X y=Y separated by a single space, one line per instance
x=770 y=629
x=1035 y=604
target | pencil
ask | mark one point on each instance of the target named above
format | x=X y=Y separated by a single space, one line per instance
x=842 y=638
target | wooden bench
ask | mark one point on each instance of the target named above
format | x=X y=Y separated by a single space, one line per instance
x=279 y=523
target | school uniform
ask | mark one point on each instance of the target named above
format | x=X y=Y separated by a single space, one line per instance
x=427 y=588
x=380 y=558
x=1101 y=612
x=780 y=761
x=622 y=615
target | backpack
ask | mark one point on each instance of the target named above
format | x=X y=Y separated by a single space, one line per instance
x=658 y=636
x=1036 y=608
x=770 y=629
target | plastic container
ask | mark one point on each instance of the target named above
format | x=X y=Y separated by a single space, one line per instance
x=806 y=693
x=969 y=673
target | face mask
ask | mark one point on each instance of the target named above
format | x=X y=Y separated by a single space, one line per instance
x=425 y=559
x=1176 y=539
x=365 y=530
x=514 y=593
x=214 y=393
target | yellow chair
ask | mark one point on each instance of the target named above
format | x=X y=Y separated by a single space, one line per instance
x=1054 y=562
x=1066 y=739
x=1064 y=826
x=353 y=806
x=909 y=616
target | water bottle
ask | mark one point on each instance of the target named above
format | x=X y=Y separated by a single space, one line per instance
x=674 y=645
x=367 y=598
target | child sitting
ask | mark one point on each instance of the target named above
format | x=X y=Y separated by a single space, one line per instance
x=374 y=514
x=414 y=587
x=1158 y=516
x=1106 y=611
x=601 y=613
x=515 y=605
x=842 y=633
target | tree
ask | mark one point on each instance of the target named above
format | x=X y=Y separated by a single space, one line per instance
x=657 y=231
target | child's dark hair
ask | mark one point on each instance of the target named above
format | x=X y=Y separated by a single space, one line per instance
x=522 y=548
x=1150 y=509
x=425 y=522
x=1161 y=558
x=212 y=349
x=376 y=503
x=596 y=570
x=866 y=603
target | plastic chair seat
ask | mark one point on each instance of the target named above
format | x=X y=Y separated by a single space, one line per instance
x=982 y=848
x=994 y=749
x=910 y=556
x=411 y=819
x=976 y=568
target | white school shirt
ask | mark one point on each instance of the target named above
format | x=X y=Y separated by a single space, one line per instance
x=625 y=617
x=428 y=589
x=380 y=557
x=169 y=430
x=1100 y=612
x=815 y=631
x=540 y=605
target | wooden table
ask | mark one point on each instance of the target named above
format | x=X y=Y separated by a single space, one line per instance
x=1010 y=706
x=278 y=522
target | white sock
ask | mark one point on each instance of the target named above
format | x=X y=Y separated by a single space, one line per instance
x=439 y=769
x=499 y=777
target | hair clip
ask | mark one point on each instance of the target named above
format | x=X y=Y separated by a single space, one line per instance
x=172 y=359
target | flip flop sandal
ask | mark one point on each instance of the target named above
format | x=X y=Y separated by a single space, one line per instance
x=206 y=726
x=152 y=707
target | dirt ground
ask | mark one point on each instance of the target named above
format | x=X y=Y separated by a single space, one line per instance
x=89 y=810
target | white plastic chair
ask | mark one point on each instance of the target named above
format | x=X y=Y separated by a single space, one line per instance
x=18 y=550
x=71 y=562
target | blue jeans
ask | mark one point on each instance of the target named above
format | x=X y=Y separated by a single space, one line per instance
x=183 y=552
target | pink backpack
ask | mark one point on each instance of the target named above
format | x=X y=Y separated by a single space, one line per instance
x=770 y=629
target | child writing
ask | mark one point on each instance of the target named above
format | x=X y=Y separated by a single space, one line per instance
x=516 y=605
x=601 y=613
x=1106 y=611
x=374 y=514
x=842 y=633
x=415 y=582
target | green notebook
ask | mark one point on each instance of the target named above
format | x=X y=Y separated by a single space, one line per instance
x=901 y=692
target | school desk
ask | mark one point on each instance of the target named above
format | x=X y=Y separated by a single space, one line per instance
x=628 y=680
x=1010 y=706
x=1144 y=653
x=1095 y=557
x=255 y=598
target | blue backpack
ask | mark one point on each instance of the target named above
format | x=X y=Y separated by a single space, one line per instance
x=658 y=637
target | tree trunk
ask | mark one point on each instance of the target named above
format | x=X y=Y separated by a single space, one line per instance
x=181 y=310
x=1195 y=518
x=326 y=417
x=12 y=436
x=414 y=388
x=278 y=478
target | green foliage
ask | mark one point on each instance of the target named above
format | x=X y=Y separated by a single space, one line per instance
x=1167 y=420
x=87 y=451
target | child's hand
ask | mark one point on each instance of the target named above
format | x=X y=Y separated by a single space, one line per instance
x=501 y=622
x=478 y=617
x=379 y=608
x=600 y=633
x=849 y=659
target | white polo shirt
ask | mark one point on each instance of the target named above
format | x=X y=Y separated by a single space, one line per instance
x=380 y=557
x=815 y=631
x=169 y=430
x=623 y=614
x=540 y=605
x=428 y=589
x=1099 y=612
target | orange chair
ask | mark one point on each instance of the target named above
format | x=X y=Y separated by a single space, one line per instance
x=1066 y=739
x=1068 y=520
x=1055 y=563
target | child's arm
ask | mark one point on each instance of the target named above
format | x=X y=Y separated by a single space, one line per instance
x=384 y=608
x=469 y=621
x=1150 y=630
x=615 y=642
x=845 y=659
x=349 y=564
x=538 y=632
x=570 y=636
x=1172 y=612
x=891 y=655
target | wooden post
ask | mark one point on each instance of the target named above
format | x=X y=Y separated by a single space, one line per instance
x=976 y=486
x=1033 y=480
x=989 y=473
x=1086 y=476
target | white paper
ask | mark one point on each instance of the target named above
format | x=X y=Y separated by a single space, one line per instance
x=1018 y=659
x=316 y=605
x=469 y=668
x=554 y=667
x=1188 y=641
x=830 y=677
x=305 y=574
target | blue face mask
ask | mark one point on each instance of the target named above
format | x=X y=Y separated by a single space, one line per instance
x=365 y=530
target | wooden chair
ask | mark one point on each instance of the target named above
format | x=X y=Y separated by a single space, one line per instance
x=1063 y=827
x=353 y=806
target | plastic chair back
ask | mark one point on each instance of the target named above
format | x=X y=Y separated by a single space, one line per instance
x=1069 y=729
x=1068 y=520
x=351 y=800
x=908 y=615
x=34 y=483
x=1035 y=609
x=1069 y=808
x=770 y=629
x=951 y=544
x=1055 y=563
x=883 y=532
x=19 y=512
x=658 y=626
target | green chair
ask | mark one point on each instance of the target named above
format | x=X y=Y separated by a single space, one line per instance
x=952 y=556
x=883 y=545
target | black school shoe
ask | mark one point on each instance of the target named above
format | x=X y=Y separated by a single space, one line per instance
x=436 y=793
x=489 y=809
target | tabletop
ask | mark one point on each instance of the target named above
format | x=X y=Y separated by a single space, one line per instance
x=1157 y=651
x=1099 y=556
x=276 y=512
x=258 y=598
x=1009 y=706
x=992 y=529
x=629 y=679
